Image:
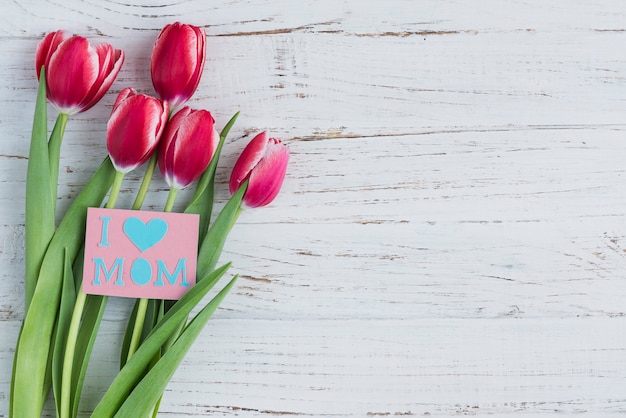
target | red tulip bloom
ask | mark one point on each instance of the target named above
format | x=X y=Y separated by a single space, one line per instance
x=177 y=62
x=263 y=163
x=77 y=73
x=188 y=144
x=134 y=129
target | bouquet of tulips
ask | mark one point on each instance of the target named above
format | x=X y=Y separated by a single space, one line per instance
x=61 y=321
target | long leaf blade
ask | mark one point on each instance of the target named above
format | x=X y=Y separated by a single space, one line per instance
x=202 y=200
x=128 y=333
x=147 y=393
x=68 y=298
x=29 y=387
x=54 y=154
x=202 y=204
x=39 y=206
x=92 y=318
x=135 y=368
x=213 y=242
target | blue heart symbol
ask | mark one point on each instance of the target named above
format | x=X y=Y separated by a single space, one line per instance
x=145 y=235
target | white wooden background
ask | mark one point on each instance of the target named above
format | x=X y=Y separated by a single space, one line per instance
x=451 y=236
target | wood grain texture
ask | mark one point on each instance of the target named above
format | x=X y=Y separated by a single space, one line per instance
x=451 y=236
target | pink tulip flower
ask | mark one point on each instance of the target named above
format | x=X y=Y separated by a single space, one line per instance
x=263 y=163
x=134 y=129
x=77 y=73
x=177 y=62
x=188 y=144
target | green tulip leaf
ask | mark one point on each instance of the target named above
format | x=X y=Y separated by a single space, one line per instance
x=39 y=204
x=213 y=242
x=92 y=318
x=54 y=154
x=12 y=386
x=129 y=333
x=201 y=204
x=147 y=393
x=135 y=369
x=202 y=200
x=35 y=341
x=68 y=298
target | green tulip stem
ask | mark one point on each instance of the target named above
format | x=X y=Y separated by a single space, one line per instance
x=143 y=302
x=115 y=190
x=70 y=349
x=54 y=153
x=171 y=197
x=77 y=314
x=138 y=328
x=145 y=183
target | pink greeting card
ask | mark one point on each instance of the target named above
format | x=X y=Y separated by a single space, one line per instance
x=140 y=254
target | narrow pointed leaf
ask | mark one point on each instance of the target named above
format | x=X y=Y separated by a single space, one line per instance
x=135 y=368
x=13 y=372
x=128 y=333
x=36 y=338
x=92 y=318
x=68 y=298
x=155 y=412
x=39 y=205
x=54 y=154
x=213 y=243
x=78 y=268
x=202 y=200
x=143 y=398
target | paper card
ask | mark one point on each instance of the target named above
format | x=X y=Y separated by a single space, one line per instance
x=140 y=254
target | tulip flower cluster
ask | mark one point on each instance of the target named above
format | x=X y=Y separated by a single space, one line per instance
x=61 y=322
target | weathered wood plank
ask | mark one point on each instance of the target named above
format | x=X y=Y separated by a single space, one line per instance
x=433 y=367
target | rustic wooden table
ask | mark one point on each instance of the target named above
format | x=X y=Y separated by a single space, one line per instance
x=451 y=236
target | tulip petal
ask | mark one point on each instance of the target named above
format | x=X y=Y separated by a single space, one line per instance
x=267 y=176
x=165 y=156
x=123 y=95
x=192 y=152
x=196 y=47
x=45 y=48
x=108 y=73
x=250 y=157
x=134 y=129
x=190 y=140
x=104 y=52
x=72 y=70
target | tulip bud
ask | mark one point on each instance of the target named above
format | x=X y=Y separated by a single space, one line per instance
x=77 y=73
x=134 y=129
x=177 y=62
x=263 y=163
x=188 y=144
